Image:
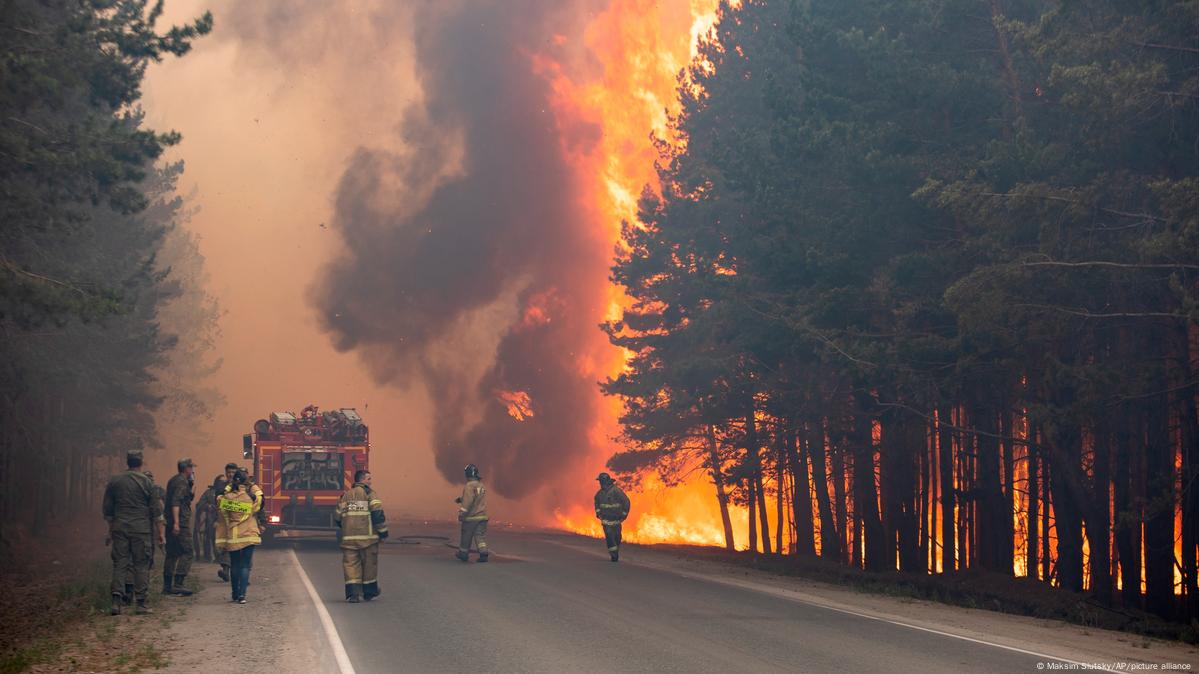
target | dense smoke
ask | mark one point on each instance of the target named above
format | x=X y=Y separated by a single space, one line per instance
x=469 y=266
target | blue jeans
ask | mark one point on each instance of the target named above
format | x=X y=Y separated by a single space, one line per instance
x=240 y=562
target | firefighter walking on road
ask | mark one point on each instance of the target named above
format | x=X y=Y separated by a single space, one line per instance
x=611 y=507
x=178 y=512
x=363 y=525
x=135 y=523
x=237 y=532
x=472 y=513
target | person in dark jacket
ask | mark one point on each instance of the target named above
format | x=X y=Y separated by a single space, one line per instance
x=612 y=508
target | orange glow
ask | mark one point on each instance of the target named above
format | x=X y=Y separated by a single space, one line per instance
x=642 y=45
x=687 y=513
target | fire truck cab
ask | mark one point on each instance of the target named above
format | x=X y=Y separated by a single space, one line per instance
x=303 y=464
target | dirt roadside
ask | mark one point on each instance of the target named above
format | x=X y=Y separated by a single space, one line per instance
x=276 y=630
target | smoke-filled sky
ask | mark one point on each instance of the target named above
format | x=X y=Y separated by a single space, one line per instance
x=393 y=221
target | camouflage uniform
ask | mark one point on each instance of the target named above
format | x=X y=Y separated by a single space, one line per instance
x=131 y=509
x=179 y=552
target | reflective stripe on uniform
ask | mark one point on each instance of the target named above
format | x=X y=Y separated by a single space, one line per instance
x=359 y=538
x=610 y=523
x=609 y=505
x=475 y=518
x=236 y=506
x=242 y=539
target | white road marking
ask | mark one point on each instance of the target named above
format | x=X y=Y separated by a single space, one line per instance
x=339 y=650
x=792 y=595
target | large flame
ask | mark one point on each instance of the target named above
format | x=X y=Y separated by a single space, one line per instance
x=642 y=46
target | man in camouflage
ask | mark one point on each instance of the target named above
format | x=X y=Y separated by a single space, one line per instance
x=472 y=513
x=160 y=495
x=135 y=523
x=611 y=507
x=363 y=525
x=179 y=553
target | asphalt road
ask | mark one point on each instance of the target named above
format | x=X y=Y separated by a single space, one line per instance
x=556 y=604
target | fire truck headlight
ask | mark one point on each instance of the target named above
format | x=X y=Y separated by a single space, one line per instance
x=275 y=519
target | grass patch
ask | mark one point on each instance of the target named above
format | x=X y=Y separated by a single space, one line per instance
x=44 y=650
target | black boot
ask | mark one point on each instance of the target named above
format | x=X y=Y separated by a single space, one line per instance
x=142 y=609
x=166 y=584
x=353 y=593
x=482 y=557
x=615 y=556
x=127 y=599
x=117 y=600
x=223 y=574
x=462 y=556
x=179 y=589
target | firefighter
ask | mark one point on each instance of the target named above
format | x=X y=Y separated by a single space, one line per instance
x=220 y=486
x=472 y=513
x=611 y=507
x=363 y=524
x=178 y=511
x=237 y=532
x=135 y=522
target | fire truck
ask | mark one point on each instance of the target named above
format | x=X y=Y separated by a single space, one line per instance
x=303 y=464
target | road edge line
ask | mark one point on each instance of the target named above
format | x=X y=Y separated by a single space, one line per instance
x=795 y=596
x=339 y=649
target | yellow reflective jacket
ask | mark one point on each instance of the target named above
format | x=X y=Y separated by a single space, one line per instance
x=353 y=515
x=237 y=527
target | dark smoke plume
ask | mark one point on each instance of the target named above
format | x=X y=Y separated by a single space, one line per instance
x=479 y=224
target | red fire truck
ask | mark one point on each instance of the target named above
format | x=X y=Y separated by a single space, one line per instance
x=304 y=463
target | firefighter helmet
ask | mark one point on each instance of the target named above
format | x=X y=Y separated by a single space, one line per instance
x=472 y=471
x=605 y=479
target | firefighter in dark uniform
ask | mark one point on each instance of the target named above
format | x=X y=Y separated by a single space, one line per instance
x=135 y=523
x=363 y=525
x=611 y=507
x=178 y=512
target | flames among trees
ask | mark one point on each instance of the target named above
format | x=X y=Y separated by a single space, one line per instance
x=919 y=289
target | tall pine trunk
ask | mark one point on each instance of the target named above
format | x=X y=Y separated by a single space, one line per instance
x=1159 y=507
x=753 y=448
x=829 y=540
x=801 y=501
x=948 y=496
x=865 y=494
x=722 y=496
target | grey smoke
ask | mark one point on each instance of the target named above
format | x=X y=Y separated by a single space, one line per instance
x=478 y=218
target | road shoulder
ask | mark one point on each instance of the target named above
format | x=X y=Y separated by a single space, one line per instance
x=277 y=628
x=1060 y=639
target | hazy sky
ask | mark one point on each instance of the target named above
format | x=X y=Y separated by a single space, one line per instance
x=406 y=129
x=270 y=108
